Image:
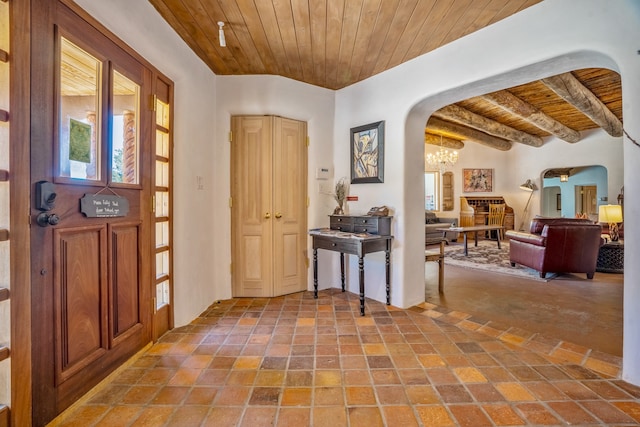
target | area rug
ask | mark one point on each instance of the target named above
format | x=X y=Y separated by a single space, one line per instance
x=486 y=256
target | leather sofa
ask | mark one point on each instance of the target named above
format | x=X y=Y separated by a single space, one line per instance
x=557 y=245
x=432 y=222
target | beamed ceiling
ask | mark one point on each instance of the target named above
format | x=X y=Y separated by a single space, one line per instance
x=335 y=43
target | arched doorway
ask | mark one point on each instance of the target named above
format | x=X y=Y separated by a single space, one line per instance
x=424 y=108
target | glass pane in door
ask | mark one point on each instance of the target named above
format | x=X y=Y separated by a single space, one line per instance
x=124 y=148
x=79 y=108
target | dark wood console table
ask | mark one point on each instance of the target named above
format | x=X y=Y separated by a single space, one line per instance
x=354 y=235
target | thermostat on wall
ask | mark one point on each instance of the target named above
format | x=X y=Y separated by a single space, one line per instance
x=323 y=172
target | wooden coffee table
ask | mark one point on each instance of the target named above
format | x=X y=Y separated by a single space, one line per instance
x=473 y=229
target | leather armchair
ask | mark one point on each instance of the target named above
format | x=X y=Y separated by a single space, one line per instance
x=557 y=245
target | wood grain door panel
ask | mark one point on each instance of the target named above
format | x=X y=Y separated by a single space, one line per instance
x=125 y=279
x=80 y=298
x=289 y=197
x=252 y=213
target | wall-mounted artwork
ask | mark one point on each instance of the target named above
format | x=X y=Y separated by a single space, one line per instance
x=367 y=153
x=477 y=180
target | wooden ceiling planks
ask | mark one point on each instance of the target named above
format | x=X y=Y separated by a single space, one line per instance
x=350 y=21
x=318 y=25
x=237 y=34
x=253 y=33
x=180 y=18
x=401 y=14
x=485 y=14
x=335 y=43
x=420 y=20
x=448 y=25
x=378 y=38
x=493 y=112
x=366 y=27
x=224 y=58
x=329 y=43
x=512 y=7
x=301 y=19
x=335 y=13
x=288 y=33
x=603 y=83
x=267 y=17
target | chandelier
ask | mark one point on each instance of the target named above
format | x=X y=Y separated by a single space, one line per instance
x=442 y=159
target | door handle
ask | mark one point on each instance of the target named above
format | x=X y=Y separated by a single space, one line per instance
x=278 y=215
x=45 y=219
x=267 y=215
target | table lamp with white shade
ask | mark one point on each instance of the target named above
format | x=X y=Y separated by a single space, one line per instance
x=611 y=214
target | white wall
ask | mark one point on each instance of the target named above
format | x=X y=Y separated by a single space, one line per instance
x=196 y=230
x=522 y=48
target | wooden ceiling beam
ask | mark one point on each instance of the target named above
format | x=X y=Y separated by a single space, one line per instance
x=514 y=105
x=571 y=90
x=446 y=142
x=436 y=125
x=462 y=116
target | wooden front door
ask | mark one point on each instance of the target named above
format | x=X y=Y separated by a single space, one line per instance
x=269 y=213
x=90 y=213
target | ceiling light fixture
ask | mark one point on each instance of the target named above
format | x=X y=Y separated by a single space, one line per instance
x=442 y=159
x=223 y=41
x=564 y=178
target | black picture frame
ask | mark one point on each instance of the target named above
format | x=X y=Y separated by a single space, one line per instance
x=367 y=153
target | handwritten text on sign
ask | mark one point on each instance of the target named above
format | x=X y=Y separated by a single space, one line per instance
x=103 y=206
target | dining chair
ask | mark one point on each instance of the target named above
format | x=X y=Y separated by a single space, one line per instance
x=496 y=217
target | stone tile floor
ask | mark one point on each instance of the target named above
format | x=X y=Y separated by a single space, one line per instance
x=300 y=361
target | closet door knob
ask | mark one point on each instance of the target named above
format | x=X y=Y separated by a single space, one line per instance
x=278 y=215
x=267 y=215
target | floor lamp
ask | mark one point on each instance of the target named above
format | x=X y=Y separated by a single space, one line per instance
x=529 y=186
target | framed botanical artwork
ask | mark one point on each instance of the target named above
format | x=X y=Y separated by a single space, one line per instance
x=477 y=180
x=367 y=153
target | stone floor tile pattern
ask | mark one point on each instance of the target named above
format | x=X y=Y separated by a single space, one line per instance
x=299 y=361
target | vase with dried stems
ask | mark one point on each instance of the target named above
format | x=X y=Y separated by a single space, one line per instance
x=340 y=195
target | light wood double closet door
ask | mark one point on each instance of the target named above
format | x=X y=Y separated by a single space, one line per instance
x=268 y=206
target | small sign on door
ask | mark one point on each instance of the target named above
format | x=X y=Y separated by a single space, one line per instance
x=103 y=206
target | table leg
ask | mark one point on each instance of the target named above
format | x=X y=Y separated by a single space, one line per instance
x=361 y=267
x=342 y=270
x=475 y=235
x=466 y=248
x=498 y=238
x=387 y=265
x=315 y=273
